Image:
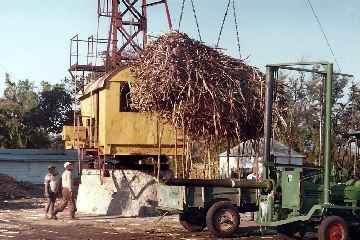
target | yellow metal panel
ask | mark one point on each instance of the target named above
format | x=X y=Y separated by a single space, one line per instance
x=127 y=133
x=143 y=150
x=87 y=106
x=73 y=136
x=123 y=76
x=133 y=128
x=68 y=133
x=89 y=112
x=102 y=117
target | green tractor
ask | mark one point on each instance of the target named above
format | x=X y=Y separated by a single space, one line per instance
x=303 y=199
x=292 y=199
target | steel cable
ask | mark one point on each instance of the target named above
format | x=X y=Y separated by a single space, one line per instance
x=308 y=2
x=181 y=14
x=196 y=19
x=223 y=23
x=237 y=28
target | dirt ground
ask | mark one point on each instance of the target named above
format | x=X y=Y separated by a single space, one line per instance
x=24 y=219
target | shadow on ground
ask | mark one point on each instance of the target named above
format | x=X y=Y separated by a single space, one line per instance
x=21 y=204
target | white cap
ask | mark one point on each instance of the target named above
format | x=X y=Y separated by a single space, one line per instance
x=67 y=164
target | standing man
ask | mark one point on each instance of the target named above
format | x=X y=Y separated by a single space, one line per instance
x=67 y=192
x=253 y=176
x=51 y=190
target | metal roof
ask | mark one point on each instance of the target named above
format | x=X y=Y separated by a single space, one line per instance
x=100 y=82
x=37 y=155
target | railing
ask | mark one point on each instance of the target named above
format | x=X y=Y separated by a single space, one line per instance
x=88 y=55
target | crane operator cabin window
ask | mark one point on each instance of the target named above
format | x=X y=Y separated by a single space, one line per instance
x=125 y=99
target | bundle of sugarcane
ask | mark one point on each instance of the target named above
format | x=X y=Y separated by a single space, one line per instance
x=199 y=89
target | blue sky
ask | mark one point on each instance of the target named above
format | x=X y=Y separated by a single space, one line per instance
x=35 y=34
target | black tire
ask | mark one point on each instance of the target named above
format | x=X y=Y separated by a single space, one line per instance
x=333 y=227
x=215 y=219
x=354 y=232
x=286 y=230
x=192 y=224
x=293 y=230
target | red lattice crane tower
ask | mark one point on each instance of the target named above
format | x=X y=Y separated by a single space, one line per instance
x=127 y=36
x=128 y=22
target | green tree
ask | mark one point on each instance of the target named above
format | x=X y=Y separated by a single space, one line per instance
x=54 y=108
x=29 y=119
x=304 y=96
x=10 y=124
x=19 y=99
x=22 y=93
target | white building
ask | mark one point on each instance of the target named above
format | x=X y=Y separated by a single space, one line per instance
x=246 y=155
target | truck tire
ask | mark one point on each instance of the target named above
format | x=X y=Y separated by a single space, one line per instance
x=190 y=223
x=222 y=219
x=333 y=228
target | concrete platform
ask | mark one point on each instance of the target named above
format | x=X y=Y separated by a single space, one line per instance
x=126 y=193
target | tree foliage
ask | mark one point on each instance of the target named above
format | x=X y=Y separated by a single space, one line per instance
x=54 y=108
x=31 y=118
x=306 y=109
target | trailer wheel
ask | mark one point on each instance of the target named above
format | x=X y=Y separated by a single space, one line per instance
x=333 y=228
x=354 y=232
x=191 y=223
x=222 y=219
x=293 y=230
x=287 y=230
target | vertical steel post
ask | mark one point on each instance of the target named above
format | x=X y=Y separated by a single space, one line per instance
x=115 y=24
x=167 y=11
x=327 y=154
x=228 y=174
x=145 y=27
x=356 y=156
x=321 y=127
x=268 y=116
x=77 y=49
x=176 y=158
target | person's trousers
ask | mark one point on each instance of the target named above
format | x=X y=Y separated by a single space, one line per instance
x=50 y=205
x=67 y=200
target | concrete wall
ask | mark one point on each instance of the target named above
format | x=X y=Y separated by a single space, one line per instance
x=30 y=171
x=31 y=164
x=127 y=193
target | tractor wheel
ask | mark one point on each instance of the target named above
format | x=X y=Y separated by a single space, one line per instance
x=222 y=219
x=333 y=228
x=191 y=223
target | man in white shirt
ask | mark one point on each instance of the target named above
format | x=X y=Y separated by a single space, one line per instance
x=51 y=190
x=252 y=176
x=67 y=192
